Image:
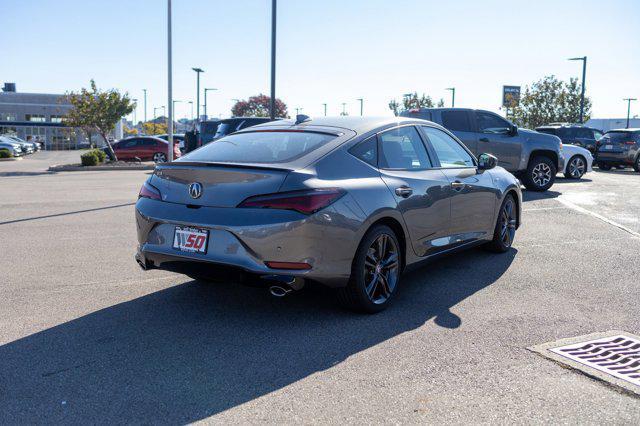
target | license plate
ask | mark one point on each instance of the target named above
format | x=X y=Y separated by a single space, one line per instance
x=608 y=147
x=192 y=240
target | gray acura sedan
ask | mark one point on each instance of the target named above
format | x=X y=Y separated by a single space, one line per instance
x=347 y=202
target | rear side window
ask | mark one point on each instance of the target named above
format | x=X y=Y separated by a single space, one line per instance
x=619 y=136
x=456 y=121
x=402 y=148
x=584 y=133
x=367 y=151
x=548 y=131
x=259 y=147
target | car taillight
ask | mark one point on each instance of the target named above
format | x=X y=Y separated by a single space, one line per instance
x=629 y=143
x=307 y=201
x=149 y=191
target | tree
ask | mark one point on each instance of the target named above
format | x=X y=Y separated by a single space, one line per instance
x=258 y=106
x=550 y=100
x=98 y=110
x=412 y=101
x=154 y=127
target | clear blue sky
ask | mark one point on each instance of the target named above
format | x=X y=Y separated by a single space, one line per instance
x=328 y=51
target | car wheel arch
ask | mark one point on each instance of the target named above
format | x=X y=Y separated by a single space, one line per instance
x=396 y=226
x=551 y=155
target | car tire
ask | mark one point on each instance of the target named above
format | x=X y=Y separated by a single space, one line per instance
x=636 y=165
x=159 y=157
x=576 y=167
x=505 y=230
x=375 y=272
x=540 y=174
x=604 y=166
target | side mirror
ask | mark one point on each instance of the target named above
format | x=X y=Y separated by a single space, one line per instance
x=487 y=161
x=513 y=130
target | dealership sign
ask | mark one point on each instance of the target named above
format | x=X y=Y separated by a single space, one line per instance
x=510 y=96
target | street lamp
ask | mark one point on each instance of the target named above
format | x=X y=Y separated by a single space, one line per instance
x=325 y=109
x=198 y=71
x=134 y=111
x=173 y=102
x=584 y=74
x=361 y=103
x=145 y=104
x=272 y=101
x=629 y=108
x=154 y=117
x=205 y=102
x=344 y=111
x=453 y=96
x=191 y=102
x=169 y=86
x=298 y=111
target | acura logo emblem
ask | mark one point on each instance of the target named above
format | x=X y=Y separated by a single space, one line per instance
x=195 y=190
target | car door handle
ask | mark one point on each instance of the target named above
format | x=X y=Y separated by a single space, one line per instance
x=458 y=186
x=404 y=191
x=484 y=139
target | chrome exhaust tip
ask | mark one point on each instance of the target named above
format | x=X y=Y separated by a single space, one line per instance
x=279 y=291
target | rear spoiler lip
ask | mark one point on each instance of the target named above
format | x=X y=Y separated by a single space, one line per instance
x=228 y=165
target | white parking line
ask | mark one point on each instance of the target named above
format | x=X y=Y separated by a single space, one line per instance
x=572 y=206
x=543 y=209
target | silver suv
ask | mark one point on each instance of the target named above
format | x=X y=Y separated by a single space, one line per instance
x=534 y=157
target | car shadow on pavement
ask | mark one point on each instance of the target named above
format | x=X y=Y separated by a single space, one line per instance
x=193 y=350
x=26 y=219
x=535 y=196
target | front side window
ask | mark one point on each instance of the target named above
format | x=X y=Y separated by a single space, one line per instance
x=450 y=153
x=402 y=148
x=490 y=123
x=260 y=147
x=456 y=121
x=597 y=134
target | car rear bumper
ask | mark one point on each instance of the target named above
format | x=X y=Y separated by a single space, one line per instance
x=242 y=240
x=615 y=157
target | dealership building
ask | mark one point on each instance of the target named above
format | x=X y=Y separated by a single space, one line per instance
x=40 y=117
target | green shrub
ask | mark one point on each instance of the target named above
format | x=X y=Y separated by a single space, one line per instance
x=101 y=155
x=89 y=158
x=5 y=153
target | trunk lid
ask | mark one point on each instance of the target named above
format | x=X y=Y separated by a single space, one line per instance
x=223 y=185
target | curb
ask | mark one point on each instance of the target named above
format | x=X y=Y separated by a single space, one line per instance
x=74 y=168
x=11 y=159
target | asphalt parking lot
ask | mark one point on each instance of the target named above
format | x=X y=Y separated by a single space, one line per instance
x=87 y=337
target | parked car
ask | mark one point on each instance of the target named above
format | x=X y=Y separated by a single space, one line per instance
x=13 y=148
x=207 y=130
x=230 y=125
x=619 y=147
x=347 y=202
x=574 y=134
x=145 y=148
x=532 y=156
x=34 y=146
x=578 y=161
x=177 y=137
x=25 y=147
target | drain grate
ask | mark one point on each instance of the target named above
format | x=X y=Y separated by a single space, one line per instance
x=618 y=355
x=613 y=357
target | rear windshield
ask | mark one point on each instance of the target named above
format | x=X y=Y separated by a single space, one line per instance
x=260 y=147
x=208 y=127
x=618 y=136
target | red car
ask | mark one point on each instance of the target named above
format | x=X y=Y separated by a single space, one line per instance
x=145 y=148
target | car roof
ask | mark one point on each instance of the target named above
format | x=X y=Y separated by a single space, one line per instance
x=630 y=130
x=356 y=124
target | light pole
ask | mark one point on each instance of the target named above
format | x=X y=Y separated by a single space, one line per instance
x=174 y=105
x=629 y=108
x=361 y=105
x=272 y=101
x=169 y=86
x=134 y=111
x=453 y=96
x=325 y=109
x=584 y=75
x=298 y=111
x=145 y=104
x=205 y=102
x=154 y=117
x=344 y=111
x=198 y=71
x=191 y=102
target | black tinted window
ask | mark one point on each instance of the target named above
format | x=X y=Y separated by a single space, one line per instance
x=618 y=136
x=584 y=133
x=402 y=148
x=548 y=131
x=456 y=121
x=490 y=123
x=367 y=151
x=259 y=147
